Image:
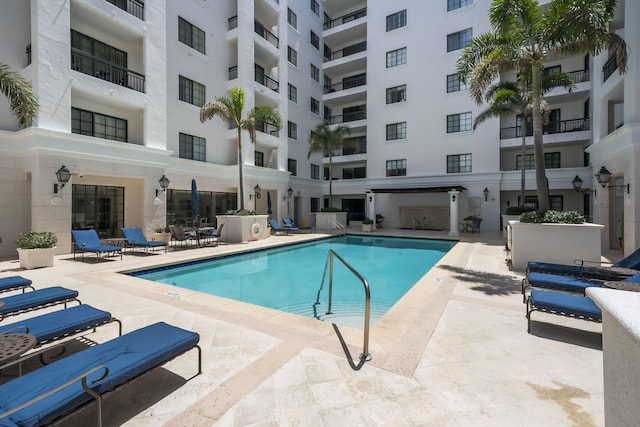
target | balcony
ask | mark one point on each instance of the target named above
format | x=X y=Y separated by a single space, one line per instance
x=345 y=18
x=580 y=76
x=562 y=126
x=133 y=7
x=346 y=118
x=352 y=147
x=265 y=34
x=267 y=81
x=347 y=83
x=608 y=68
x=346 y=51
x=233 y=22
x=103 y=70
x=268 y=128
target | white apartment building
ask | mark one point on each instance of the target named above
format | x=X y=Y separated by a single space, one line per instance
x=121 y=82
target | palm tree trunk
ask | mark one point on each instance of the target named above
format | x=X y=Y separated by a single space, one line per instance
x=240 y=176
x=541 y=175
x=523 y=131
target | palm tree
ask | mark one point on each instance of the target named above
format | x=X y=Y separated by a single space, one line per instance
x=22 y=101
x=523 y=38
x=327 y=140
x=510 y=97
x=231 y=111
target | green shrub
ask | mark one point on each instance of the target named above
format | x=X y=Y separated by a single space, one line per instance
x=241 y=212
x=555 y=217
x=367 y=221
x=36 y=240
x=530 y=217
x=330 y=210
x=517 y=210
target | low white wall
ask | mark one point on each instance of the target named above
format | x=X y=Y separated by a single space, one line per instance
x=621 y=354
x=323 y=220
x=239 y=229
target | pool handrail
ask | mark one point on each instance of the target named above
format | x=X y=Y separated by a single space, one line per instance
x=341 y=228
x=365 y=355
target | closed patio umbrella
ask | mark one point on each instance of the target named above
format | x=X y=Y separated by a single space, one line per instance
x=269 y=211
x=195 y=208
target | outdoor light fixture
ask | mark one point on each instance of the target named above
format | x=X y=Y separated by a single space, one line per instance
x=289 y=192
x=577 y=185
x=370 y=199
x=63 y=176
x=256 y=192
x=603 y=176
x=486 y=193
x=164 y=184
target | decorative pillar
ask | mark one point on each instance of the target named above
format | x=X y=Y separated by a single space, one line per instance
x=454 y=196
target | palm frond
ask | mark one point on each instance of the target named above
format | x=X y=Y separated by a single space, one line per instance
x=22 y=101
x=219 y=107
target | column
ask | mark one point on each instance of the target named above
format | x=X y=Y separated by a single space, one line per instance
x=454 y=196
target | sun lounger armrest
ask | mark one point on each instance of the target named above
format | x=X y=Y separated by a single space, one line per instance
x=81 y=377
x=17 y=330
x=581 y=262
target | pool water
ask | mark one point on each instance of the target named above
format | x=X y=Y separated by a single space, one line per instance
x=289 y=278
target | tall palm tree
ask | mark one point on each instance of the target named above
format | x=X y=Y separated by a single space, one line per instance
x=524 y=37
x=327 y=140
x=231 y=111
x=22 y=101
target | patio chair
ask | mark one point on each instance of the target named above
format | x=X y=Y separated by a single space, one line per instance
x=61 y=323
x=88 y=241
x=50 y=392
x=567 y=283
x=290 y=224
x=40 y=298
x=14 y=283
x=576 y=306
x=277 y=228
x=179 y=235
x=624 y=268
x=213 y=235
x=135 y=239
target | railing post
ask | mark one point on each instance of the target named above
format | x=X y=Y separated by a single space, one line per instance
x=330 y=282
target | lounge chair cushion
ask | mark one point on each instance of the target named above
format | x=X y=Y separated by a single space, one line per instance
x=565 y=304
x=126 y=357
x=585 y=270
x=14 y=282
x=565 y=283
x=59 y=323
x=88 y=240
x=135 y=237
x=36 y=298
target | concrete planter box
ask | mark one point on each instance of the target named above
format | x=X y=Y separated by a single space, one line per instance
x=505 y=222
x=323 y=220
x=557 y=243
x=162 y=237
x=36 y=258
x=367 y=227
x=239 y=229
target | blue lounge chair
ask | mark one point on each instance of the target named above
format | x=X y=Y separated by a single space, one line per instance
x=40 y=298
x=88 y=241
x=289 y=223
x=61 y=324
x=135 y=239
x=14 y=283
x=617 y=271
x=562 y=304
x=45 y=394
x=566 y=283
x=277 y=228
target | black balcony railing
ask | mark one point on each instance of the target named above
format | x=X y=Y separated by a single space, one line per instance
x=344 y=118
x=347 y=51
x=345 y=18
x=266 y=34
x=562 y=126
x=134 y=7
x=233 y=22
x=580 y=76
x=609 y=67
x=103 y=70
x=346 y=84
x=268 y=128
x=233 y=72
x=354 y=146
x=267 y=81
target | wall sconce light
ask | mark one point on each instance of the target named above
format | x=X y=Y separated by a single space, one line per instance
x=453 y=197
x=370 y=199
x=486 y=193
x=289 y=192
x=164 y=184
x=603 y=176
x=577 y=185
x=256 y=192
x=63 y=175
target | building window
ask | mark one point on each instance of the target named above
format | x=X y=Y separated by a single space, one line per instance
x=193 y=147
x=192 y=92
x=459 y=163
x=85 y=122
x=292 y=19
x=191 y=35
x=459 y=40
x=292 y=93
x=315 y=73
x=258 y=158
x=292 y=166
x=396 y=57
x=292 y=56
x=458 y=122
x=397 y=131
x=315 y=106
x=315 y=7
x=396 y=94
x=315 y=171
x=529 y=162
x=454 y=84
x=354 y=173
x=315 y=204
x=457 y=4
x=397 y=20
x=556 y=203
x=315 y=40
x=552 y=160
x=397 y=167
x=292 y=130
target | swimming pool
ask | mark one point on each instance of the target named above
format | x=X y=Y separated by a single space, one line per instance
x=289 y=278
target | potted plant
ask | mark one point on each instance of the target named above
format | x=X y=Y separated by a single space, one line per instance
x=367 y=224
x=36 y=249
x=162 y=234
